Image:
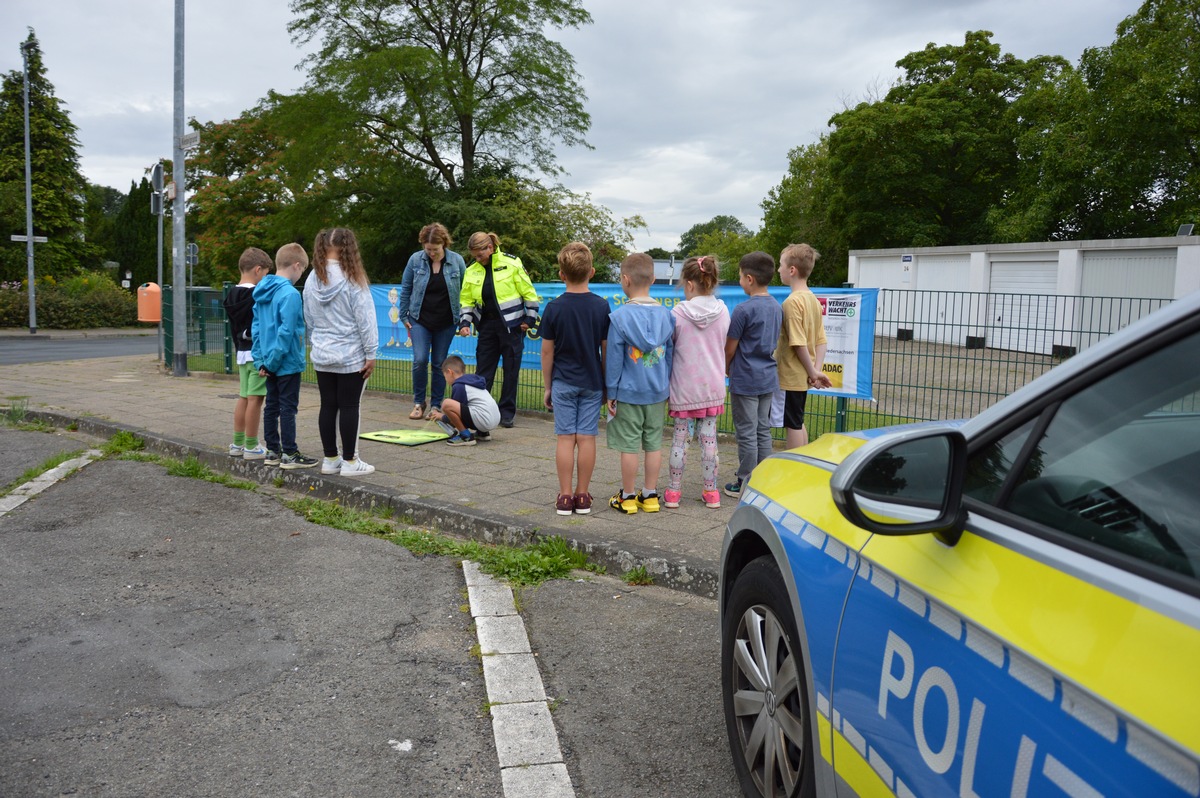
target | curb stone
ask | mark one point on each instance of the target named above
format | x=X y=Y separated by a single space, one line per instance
x=699 y=577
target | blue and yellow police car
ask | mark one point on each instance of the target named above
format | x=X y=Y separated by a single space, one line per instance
x=999 y=608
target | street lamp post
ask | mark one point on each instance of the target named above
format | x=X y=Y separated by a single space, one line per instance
x=29 y=198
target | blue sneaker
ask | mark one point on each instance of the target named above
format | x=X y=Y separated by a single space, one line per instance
x=464 y=438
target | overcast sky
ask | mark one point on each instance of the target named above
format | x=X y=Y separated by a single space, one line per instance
x=694 y=103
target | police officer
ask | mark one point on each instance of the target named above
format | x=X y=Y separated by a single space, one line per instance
x=499 y=299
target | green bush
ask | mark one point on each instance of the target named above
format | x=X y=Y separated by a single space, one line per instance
x=82 y=301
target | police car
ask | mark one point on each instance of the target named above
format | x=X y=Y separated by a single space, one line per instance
x=1007 y=607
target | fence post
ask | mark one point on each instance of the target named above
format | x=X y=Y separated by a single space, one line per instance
x=225 y=286
x=168 y=326
x=839 y=422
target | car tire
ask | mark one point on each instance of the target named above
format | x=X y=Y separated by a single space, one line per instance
x=763 y=687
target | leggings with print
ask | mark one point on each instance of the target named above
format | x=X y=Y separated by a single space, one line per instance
x=707 y=431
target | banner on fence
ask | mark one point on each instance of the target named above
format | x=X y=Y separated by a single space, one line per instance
x=849 y=328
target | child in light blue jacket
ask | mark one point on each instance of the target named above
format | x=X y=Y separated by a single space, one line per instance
x=637 y=377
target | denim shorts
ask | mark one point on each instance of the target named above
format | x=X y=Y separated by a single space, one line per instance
x=576 y=410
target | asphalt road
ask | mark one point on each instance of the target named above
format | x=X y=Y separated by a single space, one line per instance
x=165 y=635
x=40 y=349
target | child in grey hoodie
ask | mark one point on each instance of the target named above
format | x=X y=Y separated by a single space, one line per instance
x=340 y=312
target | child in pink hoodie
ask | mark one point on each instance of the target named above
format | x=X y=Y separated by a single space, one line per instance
x=697 y=376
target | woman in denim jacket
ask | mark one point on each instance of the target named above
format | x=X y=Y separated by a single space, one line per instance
x=429 y=308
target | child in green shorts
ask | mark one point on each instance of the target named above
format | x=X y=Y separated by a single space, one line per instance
x=252 y=388
x=637 y=374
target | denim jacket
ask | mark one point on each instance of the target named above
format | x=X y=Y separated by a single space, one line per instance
x=416 y=278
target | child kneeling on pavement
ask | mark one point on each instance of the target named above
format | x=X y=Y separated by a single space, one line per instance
x=470 y=409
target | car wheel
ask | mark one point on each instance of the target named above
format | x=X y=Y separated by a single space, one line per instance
x=763 y=687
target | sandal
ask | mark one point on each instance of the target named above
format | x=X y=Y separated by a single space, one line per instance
x=417 y=412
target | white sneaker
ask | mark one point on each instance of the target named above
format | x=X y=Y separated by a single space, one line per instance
x=331 y=465
x=356 y=468
x=235 y=450
x=257 y=453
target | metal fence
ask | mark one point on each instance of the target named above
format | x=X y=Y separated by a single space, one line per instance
x=938 y=354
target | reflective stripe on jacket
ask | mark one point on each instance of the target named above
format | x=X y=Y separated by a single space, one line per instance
x=515 y=293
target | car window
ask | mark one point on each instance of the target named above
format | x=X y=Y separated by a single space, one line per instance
x=1117 y=464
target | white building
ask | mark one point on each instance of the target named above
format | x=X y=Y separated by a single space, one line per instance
x=1054 y=297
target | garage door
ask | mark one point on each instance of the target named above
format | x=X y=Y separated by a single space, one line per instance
x=1022 y=305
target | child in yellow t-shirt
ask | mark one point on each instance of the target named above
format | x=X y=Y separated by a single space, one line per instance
x=801 y=350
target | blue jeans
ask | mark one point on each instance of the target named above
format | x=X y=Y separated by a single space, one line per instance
x=424 y=343
x=279 y=413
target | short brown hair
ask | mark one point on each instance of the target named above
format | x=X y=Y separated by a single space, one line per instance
x=454 y=363
x=253 y=256
x=640 y=268
x=800 y=257
x=758 y=265
x=289 y=254
x=435 y=233
x=575 y=262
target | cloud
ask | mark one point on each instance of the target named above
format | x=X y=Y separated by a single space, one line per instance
x=694 y=106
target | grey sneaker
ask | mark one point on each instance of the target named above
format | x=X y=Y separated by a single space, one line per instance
x=271 y=458
x=296 y=460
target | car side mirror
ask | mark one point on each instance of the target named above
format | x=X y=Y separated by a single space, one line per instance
x=905 y=483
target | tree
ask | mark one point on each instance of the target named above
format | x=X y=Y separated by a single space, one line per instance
x=689 y=241
x=796 y=211
x=135 y=236
x=1145 y=124
x=534 y=222
x=925 y=165
x=103 y=204
x=658 y=253
x=58 y=187
x=450 y=84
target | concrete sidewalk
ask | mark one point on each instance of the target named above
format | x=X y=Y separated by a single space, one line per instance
x=499 y=491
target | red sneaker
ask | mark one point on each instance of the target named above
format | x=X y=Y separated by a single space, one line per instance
x=583 y=503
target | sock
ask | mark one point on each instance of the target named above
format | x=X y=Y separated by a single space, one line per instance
x=251 y=443
x=648 y=494
x=625 y=495
x=239 y=439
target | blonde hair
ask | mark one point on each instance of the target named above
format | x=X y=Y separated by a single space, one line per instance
x=702 y=271
x=800 y=257
x=640 y=269
x=289 y=254
x=344 y=241
x=481 y=239
x=435 y=233
x=575 y=262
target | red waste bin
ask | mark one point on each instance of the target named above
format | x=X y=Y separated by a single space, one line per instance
x=149 y=302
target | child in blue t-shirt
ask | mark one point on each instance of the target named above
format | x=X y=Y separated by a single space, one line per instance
x=750 y=364
x=573 y=331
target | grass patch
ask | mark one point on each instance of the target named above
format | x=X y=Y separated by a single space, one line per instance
x=16 y=415
x=193 y=468
x=551 y=558
x=638 y=576
x=34 y=472
x=122 y=443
